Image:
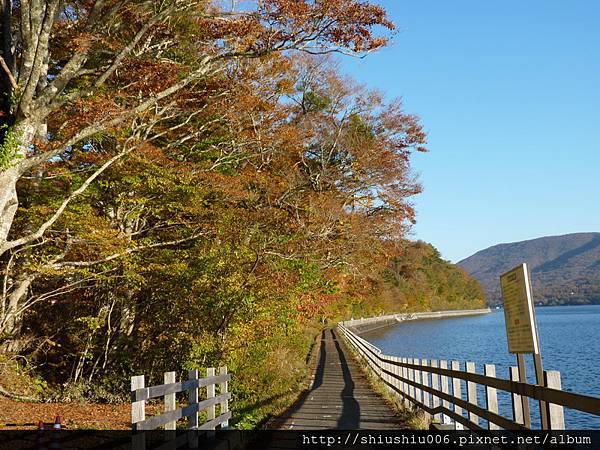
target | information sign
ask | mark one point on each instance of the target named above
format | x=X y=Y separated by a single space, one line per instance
x=518 y=311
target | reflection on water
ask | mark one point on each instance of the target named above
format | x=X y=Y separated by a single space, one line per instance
x=570 y=343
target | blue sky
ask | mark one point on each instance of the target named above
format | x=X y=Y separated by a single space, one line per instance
x=509 y=93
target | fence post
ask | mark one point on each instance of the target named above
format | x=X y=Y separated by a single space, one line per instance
x=193 y=418
x=210 y=393
x=555 y=412
x=379 y=365
x=390 y=376
x=472 y=393
x=445 y=390
x=517 y=404
x=385 y=377
x=397 y=382
x=224 y=403
x=418 y=392
x=407 y=391
x=457 y=392
x=435 y=384
x=491 y=396
x=169 y=378
x=138 y=414
x=411 y=377
x=524 y=399
x=138 y=408
x=193 y=398
x=425 y=382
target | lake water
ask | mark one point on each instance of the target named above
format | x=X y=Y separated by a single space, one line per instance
x=569 y=340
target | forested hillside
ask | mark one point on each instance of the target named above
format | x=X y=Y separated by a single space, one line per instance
x=183 y=185
x=564 y=269
x=420 y=280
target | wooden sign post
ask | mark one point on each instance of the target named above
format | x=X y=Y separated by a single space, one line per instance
x=521 y=331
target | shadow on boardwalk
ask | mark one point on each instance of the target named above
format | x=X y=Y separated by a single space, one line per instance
x=339 y=398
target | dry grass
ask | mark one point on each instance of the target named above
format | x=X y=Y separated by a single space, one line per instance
x=310 y=365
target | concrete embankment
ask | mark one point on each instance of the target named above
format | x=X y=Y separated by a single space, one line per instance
x=364 y=325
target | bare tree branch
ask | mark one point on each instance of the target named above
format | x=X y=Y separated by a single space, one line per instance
x=95 y=128
x=48 y=223
x=48 y=99
x=38 y=56
x=9 y=74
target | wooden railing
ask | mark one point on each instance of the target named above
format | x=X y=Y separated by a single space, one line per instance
x=437 y=388
x=140 y=394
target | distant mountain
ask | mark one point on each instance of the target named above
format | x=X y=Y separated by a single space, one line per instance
x=564 y=269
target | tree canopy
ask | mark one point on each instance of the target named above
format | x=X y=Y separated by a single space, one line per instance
x=191 y=183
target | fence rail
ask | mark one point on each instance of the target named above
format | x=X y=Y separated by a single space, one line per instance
x=140 y=394
x=437 y=388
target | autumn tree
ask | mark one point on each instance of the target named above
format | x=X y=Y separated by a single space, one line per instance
x=186 y=184
x=418 y=279
x=355 y=159
x=85 y=83
x=198 y=184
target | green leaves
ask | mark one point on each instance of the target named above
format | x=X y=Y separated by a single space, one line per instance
x=90 y=323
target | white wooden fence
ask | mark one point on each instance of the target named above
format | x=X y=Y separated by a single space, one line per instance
x=192 y=386
x=437 y=388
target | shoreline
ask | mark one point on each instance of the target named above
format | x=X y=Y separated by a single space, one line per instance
x=365 y=325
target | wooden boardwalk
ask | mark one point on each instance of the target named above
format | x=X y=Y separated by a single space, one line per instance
x=339 y=397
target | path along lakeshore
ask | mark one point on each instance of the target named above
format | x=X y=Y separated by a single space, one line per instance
x=340 y=396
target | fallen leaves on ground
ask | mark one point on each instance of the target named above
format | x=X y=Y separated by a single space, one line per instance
x=26 y=415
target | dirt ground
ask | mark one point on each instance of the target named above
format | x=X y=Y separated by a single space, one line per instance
x=16 y=415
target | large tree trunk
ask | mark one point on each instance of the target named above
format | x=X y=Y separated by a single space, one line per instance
x=8 y=201
x=8 y=178
x=23 y=134
x=11 y=314
x=6 y=53
x=11 y=319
